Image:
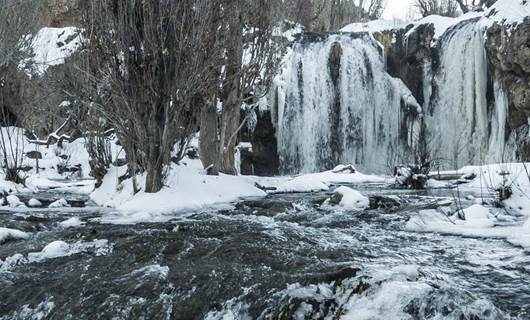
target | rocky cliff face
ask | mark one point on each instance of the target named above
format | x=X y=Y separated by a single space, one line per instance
x=509 y=55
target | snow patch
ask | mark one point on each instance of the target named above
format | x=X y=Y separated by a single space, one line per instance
x=34 y=203
x=50 y=47
x=61 y=203
x=7 y=234
x=72 y=223
x=57 y=249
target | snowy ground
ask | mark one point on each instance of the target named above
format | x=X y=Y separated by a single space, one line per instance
x=486 y=218
x=506 y=12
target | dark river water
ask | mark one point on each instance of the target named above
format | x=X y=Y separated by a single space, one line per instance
x=282 y=257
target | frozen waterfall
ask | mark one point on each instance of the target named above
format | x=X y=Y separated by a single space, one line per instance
x=334 y=103
x=467 y=115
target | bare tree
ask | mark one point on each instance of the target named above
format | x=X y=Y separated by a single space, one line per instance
x=148 y=64
x=448 y=8
x=474 y=5
x=245 y=74
x=17 y=24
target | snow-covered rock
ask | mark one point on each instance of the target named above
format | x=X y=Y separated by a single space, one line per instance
x=50 y=47
x=11 y=234
x=348 y=199
x=61 y=203
x=374 y=26
x=54 y=249
x=34 y=203
x=477 y=216
x=14 y=202
x=72 y=223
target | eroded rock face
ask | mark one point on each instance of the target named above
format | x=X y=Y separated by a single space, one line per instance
x=406 y=56
x=509 y=54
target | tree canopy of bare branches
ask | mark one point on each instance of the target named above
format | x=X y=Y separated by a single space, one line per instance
x=149 y=65
x=245 y=72
x=329 y=15
x=447 y=8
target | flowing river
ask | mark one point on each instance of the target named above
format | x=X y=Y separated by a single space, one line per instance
x=282 y=257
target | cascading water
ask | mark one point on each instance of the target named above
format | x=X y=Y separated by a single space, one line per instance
x=467 y=115
x=334 y=103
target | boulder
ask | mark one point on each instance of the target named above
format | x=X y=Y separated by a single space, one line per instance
x=34 y=203
x=412 y=176
x=348 y=199
x=14 y=202
x=384 y=202
x=34 y=155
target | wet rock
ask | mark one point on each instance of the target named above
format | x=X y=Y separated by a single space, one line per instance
x=336 y=198
x=384 y=202
x=34 y=155
x=266 y=207
x=336 y=276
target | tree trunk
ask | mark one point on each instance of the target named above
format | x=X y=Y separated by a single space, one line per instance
x=209 y=140
x=231 y=122
x=153 y=162
x=154 y=179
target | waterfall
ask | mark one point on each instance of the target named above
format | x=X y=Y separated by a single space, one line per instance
x=468 y=111
x=333 y=102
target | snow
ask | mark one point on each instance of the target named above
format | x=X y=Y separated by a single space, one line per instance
x=52 y=250
x=374 y=26
x=477 y=216
x=512 y=222
x=352 y=199
x=50 y=47
x=72 y=223
x=441 y=24
x=71 y=154
x=57 y=249
x=34 y=203
x=7 y=234
x=316 y=181
x=509 y=12
x=61 y=203
x=14 y=201
x=187 y=188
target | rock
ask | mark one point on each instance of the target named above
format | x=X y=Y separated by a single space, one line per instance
x=412 y=176
x=348 y=199
x=384 y=202
x=34 y=203
x=34 y=155
x=266 y=207
x=336 y=198
x=14 y=202
x=344 y=169
x=264 y=159
x=61 y=203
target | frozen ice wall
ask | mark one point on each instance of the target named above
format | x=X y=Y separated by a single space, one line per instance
x=467 y=115
x=334 y=103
